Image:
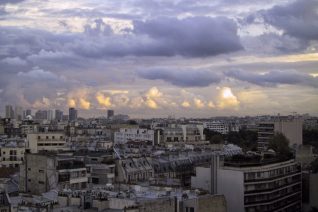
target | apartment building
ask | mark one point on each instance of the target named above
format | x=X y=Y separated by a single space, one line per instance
x=46 y=141
x=42 y=172
x=11 y=155
x=261 y=186
x=217 y=126
x=133 y=134
x=290 y=127
x=175 y=133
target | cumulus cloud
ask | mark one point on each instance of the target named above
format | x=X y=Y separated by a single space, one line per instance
x=211 y=104
x=103 y=100
x=198 y=103
x=185 y=104
x=151 y=97
x=273 y=78
x=71 y=102
x=84 y=104
x=227 y=99
x=182 y=78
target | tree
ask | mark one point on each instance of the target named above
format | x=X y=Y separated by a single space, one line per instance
x=246 y=139
x=217 y=139
x=314 y=166
x=213 y=136
x=280 y=144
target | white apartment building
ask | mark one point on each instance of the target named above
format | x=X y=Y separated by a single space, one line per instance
x=48 y=141
x=217 y=126
x=261 y=187
x=133 y=134
x=175 y=133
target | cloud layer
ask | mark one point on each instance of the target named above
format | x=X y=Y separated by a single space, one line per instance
x=158 y=57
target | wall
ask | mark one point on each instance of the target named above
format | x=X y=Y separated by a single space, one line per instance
x=313 y=190
x=231 y=185
x=202 y=179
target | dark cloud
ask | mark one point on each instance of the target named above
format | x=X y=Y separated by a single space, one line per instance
x=182 y=78
x=190 y=37
x=273 y=44
x=196 y=36
x=298 y=19
x=273 y=78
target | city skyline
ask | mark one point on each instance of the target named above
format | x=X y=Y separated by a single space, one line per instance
x=159 y=58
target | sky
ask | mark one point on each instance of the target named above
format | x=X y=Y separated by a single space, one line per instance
x=159 y=58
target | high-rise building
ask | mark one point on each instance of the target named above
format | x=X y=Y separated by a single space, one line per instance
x=58 y=115
x=41 y=115
x=26 y=113
x=291 y=127
x=50 y=115
x=18 y=113
x=72 y=114
x=9 y=112
x=110 y=114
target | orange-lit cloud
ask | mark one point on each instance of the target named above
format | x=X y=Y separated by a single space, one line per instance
x=103 y=100
x=186 y=104
x=152 y=95
x=198 y=103
x=71 y=102
x=211 y=104
x=227 y=99
x=84 y=104
x=151 y=104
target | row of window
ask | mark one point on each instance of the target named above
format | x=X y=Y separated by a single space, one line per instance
x=51 y=144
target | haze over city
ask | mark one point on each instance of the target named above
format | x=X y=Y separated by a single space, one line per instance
x=158 y=58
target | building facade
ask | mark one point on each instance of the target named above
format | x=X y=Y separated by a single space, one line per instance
x=290 y=127
x=46 y=141
x=263 y=187
x=133 y=134
x=41 y=173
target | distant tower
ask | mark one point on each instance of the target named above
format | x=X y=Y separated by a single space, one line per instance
x=18 y=112
x=110 y=114
x=72 y=113
x=9 y=112
x=58 y=115
x=26 y=113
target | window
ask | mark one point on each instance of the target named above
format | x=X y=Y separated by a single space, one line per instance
x=189 y=209
x=41 y=171
x=41 y=182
